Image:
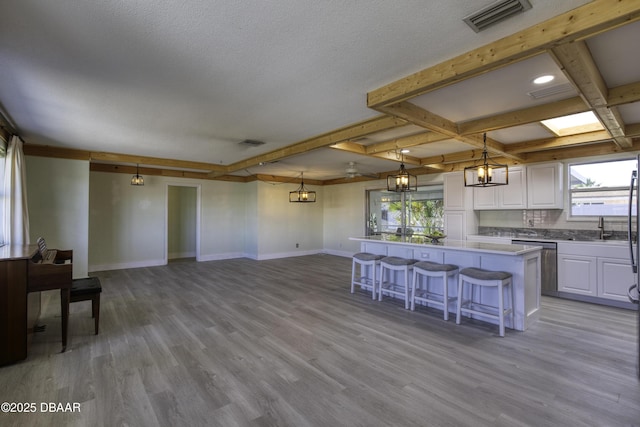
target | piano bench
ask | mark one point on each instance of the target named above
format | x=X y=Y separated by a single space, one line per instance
x=85 y=290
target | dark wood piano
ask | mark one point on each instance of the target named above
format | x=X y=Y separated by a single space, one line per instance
x=23 y=275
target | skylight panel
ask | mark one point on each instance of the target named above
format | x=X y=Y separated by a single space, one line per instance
x=573 y=124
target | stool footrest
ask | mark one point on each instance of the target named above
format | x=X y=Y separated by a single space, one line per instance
x=482 y=309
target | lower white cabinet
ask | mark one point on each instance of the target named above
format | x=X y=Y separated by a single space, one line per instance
x=577 y=274
x=614 y=278
x=592 y=269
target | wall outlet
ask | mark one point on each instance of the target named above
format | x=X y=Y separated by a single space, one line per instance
x=297 y=245
x=425 y=255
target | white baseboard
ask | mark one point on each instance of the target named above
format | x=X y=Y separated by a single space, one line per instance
x=218 y=257
x=287 y=254
x=125 y=265
x=177 y=255
x=338 y=253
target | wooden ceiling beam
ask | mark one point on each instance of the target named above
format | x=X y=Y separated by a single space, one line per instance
x=156 y=161
x=421 y=117
x=578 y=65
x=524 y=116
x=576 y=24
x=357 y=130
x=580 y=151
x=460 y=156
x=558 y=142
x=56 y=152
x=406 y=142
x=624 y=94
x=131 y=170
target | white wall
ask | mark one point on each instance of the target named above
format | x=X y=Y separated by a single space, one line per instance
x=223 y=220
x=344 y=216
x=58 y=198
x=282 y=224
x=126 y=223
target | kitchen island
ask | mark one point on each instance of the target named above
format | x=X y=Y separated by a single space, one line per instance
x=522 y=261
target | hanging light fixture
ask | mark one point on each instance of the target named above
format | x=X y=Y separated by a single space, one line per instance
x=487 y=174
x=137 y=179
x=403 y=181
x=302 y=195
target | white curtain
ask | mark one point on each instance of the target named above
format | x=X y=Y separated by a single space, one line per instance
x=15 y=228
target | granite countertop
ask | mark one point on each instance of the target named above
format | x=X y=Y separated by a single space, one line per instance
x=460 y=245
x=556 y=239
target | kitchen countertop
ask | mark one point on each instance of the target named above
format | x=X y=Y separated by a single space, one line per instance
x=543 y=239
x=460 y=245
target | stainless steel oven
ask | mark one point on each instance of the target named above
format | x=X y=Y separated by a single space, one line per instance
x=548 y=265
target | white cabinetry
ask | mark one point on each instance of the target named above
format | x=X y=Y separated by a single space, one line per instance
x=456 y=195
x=511 y=196
x=577 y=274
x=594 y=269
x=544 y=186
x=459 y=218
x=614 y=278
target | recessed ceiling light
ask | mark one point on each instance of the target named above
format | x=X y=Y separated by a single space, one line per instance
x=543 y=79
x=405 y=150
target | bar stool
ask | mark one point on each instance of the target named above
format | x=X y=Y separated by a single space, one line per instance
x=392 y=265
x=430 y=270
x=477 y=276
x=367 y=279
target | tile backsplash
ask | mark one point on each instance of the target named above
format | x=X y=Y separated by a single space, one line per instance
x=548 y=219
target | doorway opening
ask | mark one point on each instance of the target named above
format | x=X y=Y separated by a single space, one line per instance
x=182 y=223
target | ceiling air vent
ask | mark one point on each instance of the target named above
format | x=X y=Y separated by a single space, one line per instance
x=496 y=12
x=251 y=143
x=550 y=91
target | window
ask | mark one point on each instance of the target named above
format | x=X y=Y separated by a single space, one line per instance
x=600 y=189
x=422 y=212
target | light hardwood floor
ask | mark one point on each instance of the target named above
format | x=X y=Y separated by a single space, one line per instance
x=283 y=342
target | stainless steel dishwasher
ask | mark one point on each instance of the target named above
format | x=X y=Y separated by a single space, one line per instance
x=548 y=264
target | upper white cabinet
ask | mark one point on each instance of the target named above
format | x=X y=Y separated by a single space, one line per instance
x=511 y=196
x=459 y=218
x=456 y=195
x=544 y=186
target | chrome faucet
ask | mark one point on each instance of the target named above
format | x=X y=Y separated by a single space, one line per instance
x=601 y=227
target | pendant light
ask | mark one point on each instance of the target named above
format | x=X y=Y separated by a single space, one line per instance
x=137 y=179
x=403 y=181
x=302 y=195
x=487 y=174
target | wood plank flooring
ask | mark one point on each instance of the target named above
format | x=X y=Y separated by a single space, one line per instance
x=283 y=343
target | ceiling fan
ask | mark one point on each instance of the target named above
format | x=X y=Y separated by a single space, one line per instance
x=352 y=172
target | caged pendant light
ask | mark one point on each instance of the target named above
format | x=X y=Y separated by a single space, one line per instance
x=302 y=194
x=403 y=181
x=137 y=179
x=487 y=174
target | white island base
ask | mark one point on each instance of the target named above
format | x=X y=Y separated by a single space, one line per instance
x=522 y=261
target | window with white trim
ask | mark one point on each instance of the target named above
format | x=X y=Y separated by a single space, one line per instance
x=600 y=188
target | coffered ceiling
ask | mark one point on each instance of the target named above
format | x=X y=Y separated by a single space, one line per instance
x=177 y=87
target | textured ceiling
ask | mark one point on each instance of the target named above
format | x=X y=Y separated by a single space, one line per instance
x=189 y=80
